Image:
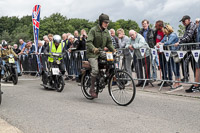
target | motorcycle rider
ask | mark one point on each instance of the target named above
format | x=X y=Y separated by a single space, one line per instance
x=5 y=51
x=56 y=47
x=98 y=38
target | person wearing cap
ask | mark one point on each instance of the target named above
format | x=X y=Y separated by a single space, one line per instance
x=98 y=38
x=190 y=30
x=189 y=36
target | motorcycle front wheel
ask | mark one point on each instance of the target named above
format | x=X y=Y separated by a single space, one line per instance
x=60 y=84
x=122 y=88
x=15 y=76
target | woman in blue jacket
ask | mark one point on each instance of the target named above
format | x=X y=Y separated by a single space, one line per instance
x=171 y=38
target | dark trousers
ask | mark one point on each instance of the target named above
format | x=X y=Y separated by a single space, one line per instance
x=165 y=67
x=68 y=64
x=145 y=62
x=134 y=63
x=185 y=64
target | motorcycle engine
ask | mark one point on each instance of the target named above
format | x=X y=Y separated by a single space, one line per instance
x=102 y=81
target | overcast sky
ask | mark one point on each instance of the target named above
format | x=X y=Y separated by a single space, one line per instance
x=170 y=11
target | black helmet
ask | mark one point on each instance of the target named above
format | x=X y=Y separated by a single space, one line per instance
x=103 y=18
x=4 y=43
x=56 y=39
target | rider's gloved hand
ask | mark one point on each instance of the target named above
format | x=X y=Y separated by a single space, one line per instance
x=105 y=49
x=95 y=50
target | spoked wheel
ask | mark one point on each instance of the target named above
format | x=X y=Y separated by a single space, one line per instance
x=122 y=88
x=15 y=77
x=44 y=80
x=85 y=85
x=60 y=84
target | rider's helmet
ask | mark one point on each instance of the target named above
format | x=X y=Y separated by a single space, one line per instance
x=103 y=18
x=56 y=39
x=4 y=43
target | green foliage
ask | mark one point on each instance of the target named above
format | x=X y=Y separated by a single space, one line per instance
x=181 y=30
x=124 y=24
x=151 y=26
x=13 y=28
x=5 y=35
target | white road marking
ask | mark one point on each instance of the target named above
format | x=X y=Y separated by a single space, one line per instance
x=29 y=79
x=9 y=85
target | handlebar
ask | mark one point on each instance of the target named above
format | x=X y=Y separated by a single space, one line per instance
x=8 y=56
x=27 y=54
x=52 y=54
x=122 y=48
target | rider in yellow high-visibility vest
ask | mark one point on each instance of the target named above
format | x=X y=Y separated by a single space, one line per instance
x=56 y=47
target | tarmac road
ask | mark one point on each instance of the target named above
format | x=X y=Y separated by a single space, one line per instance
x=31 y=109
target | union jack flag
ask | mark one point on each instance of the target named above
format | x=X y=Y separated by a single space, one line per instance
x=36 y=23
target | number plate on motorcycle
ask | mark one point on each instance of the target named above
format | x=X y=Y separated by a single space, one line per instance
x=109 y=56
x=11 y=60
x=55 y=71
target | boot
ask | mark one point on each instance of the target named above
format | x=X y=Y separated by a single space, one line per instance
x=92 y=91
x=139 y=84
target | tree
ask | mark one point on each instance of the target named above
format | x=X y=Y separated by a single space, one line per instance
x=55 y=24
x=22 y=32
x=14 y=28
x=181 y=30
x=5 y=36
x=126 y=25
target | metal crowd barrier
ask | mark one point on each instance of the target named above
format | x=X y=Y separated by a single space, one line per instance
x=36 y=63
x=28 y=63
x=73 y=62
x=188 y=54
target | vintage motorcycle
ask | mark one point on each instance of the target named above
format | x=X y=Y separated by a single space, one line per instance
x=10 y=69
x=52 y=78
x=121 y=86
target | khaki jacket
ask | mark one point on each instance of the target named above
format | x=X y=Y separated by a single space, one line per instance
x=98 y=39
x=5 y=52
